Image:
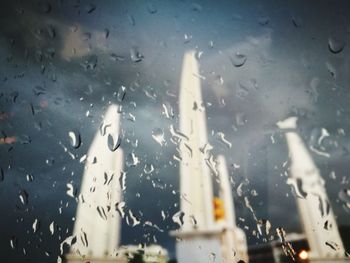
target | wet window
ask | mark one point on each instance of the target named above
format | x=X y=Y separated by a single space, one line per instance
x=174 y=131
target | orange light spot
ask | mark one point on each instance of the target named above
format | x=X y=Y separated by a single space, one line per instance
x=7 y=140
x=303 y=255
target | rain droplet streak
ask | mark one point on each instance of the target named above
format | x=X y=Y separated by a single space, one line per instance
x=158 y=136
x=238 y=59
x=68 y=241
x=70 y=190
x=132 y=160
x=102 y=213
x=296 y=184
x=2 y=175
x=83 y=238
x=113 y=142
x=264 y=226
x=13 y=242
x=221 y=138
x=29 y=177
x=135 y=55
x=74 y=139
x=104 y=127
x=90 y=8
x=297 y=21
x=36 y=225
x=335 y=45
x=121 y=93
x=344 y=196
x=178 y=218
x=52 y=228
x=132 y=220
x=120 y=208
x=122 y=181
x=23 y=197
x=148 y=169
x=286 y=246
x=333 y=245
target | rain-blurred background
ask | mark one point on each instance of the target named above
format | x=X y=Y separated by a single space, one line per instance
x=63 y=62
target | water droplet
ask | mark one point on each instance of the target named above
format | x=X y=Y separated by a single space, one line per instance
x=116 y=57
x=221 y=138
x=344 y=196
x=13 y=242
x=263 y=20
x=74 y=139
x=38 y=90
x=134 y=220
x=131 y=160
x=23 y=197
x=296 y=184
x=2 y=175
x=24 y=139
x=106 y=33
x=333 y=245
x=30 y=178
x=102 y=213
x=120 y=208
x=122 y=181
x=83 y=238
x=52 y=228
x=113 y=142
x=297 y=21
x=90 y=8
x=238 y=59
x=70 y=190
x=148 y=169
x=36 y=225
x=178 y=218
x=152 y=9
x=168 y=111
x=121 y=93
x=135 y=56
x=212 y=257
x=158 y=136
x=264 y=226
x=187 y=38
x=331 y=69
x=335 y=45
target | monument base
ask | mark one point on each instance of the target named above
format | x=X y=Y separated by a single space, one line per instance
x=198 y=246
x=73 y=258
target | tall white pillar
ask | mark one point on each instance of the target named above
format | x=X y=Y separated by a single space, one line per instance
x=315 y=210
x=97 y=223
x=198 y=241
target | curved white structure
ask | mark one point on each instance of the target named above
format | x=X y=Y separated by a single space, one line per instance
x=195 y=182
x=233 y=240
x=315 y=211
x=97 y=224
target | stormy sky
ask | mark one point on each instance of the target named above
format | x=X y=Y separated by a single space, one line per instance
x=63 y=62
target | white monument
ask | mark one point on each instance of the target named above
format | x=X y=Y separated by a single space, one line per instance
x=200 y=238
x=198 y=241
x=315 y=211
x=233 y=240
x=97 y=223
